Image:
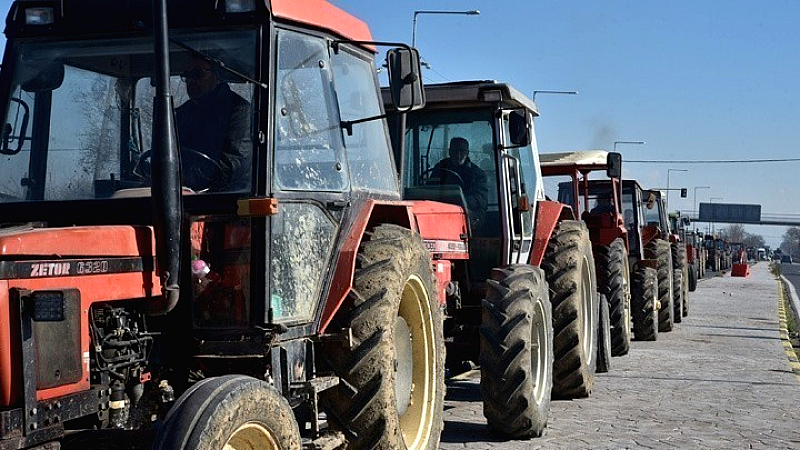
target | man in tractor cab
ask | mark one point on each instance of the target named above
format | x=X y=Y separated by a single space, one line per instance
x=603 y=204
x=458 y=169
x=213 y=131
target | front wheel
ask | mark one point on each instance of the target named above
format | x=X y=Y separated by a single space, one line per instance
x=233 y=412
x=391 y=393
x=516 y=353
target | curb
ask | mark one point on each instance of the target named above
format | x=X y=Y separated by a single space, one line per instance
x=795 y=301
x=794 y=363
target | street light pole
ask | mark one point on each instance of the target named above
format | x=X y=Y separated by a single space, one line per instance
x=627 y=142
x=553 y=92
x=694 y=201
x=711 y=200
x=668 y=172
x=473 y=12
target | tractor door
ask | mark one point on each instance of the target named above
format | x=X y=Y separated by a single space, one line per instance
x=520 y=185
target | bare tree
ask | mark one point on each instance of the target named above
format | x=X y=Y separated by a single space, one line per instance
x=754 y=240
x=733 y=233
x=791 y=241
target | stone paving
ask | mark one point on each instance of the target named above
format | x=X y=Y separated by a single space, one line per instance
x=720 y=380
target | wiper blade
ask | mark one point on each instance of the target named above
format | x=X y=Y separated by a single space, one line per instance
x=217 y=62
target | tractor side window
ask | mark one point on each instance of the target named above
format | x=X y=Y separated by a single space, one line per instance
x=368 y=150
x=309 y=152
x=302 y=242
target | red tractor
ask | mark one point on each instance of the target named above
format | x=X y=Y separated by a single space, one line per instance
x=296 y=307
x=658 y=245
x=645 y=267
x=678 y=257
x=598 y=203
x=471 y=153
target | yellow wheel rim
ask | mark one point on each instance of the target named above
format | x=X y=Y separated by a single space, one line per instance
x=416 y=420
x=252 y=436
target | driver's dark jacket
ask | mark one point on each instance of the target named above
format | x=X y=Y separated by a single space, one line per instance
x=218 y=125
x=475 y=189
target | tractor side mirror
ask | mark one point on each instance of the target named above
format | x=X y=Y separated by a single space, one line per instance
x=405 y=79
x=684 y=192
x=519 y=127
x=614 y=165
x=9 y=135
x=42 y=76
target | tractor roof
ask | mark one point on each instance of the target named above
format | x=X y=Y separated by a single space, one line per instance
x=474 y=93
x=565 y=163
x=580 y=158
x=324 y=15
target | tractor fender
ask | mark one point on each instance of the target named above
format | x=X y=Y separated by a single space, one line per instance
x=374 y=212
x=548 y=215
x=649 y=233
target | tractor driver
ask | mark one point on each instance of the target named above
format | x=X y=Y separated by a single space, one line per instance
x=458 y=169
x=603 y=204
x=213 y=131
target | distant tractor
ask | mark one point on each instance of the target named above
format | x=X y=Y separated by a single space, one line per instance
x=645 y=279
x=662 y=248
x=472 y=153
x=598 y=203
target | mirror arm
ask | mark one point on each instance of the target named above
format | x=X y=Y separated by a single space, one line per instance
x=348 y=124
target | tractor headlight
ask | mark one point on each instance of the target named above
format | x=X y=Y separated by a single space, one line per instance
x=239 y=6
x=39 y=16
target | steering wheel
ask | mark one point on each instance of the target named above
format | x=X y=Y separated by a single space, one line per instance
x=198 y=170
x=424 y=177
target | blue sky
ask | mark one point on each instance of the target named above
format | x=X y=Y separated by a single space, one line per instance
x=694 y=79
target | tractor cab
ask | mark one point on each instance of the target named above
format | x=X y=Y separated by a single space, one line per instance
x=188 y=186
x=596 y=201
x=498 y=181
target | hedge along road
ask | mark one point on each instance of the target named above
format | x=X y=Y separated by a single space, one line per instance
x=720 y=379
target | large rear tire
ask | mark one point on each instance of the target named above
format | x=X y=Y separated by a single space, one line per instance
x=613 y=279
x=516 y=353
x=659 y=250
x=569 y=265
x=234 y=412
x=677 y=295
x=644 y=303
x=604 y=338
x=693 y=275
x=391 y=393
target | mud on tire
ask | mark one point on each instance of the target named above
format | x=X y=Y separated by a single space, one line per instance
x=391 y=390
x=232 y=411
x=516 y=354
x=643 y=303
x=569 y=266
x=613 y=279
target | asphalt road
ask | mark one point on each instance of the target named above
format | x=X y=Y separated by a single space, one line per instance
x=792 y=273
x=721 y=379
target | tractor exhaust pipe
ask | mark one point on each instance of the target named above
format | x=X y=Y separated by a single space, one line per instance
x=166 y=189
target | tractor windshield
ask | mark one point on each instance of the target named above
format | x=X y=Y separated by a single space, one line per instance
x=450 y=158
x=78 y=120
